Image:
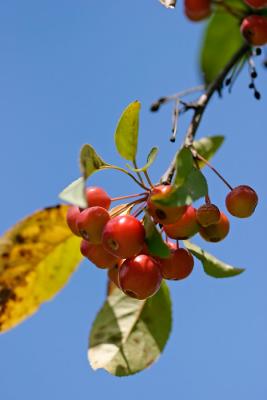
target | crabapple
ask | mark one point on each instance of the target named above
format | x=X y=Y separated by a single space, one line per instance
x=140 y=277
x=160 y=213
x=254 y=29
x=91 y=222
x=96 y=196
x=185 y=227
x=217 y=232
x=208 y=214
x=178 y=265
x=256 y=3
x=98 y=255
x=71 y=218
x=196 y=10
x=123 y=236
x=241 y=201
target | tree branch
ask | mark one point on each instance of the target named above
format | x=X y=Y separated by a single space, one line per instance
x=201 y=104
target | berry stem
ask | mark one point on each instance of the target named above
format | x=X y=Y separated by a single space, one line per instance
x=139 y=210
x=207 y=199
x=215 y=171
x=129 y=196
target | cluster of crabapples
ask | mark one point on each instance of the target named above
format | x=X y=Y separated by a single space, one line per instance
x=117 y=240
x=253 y=24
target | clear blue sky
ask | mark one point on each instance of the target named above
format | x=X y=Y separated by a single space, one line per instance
x=67 y=70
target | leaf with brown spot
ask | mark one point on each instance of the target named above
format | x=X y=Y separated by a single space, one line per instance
x=37 y=257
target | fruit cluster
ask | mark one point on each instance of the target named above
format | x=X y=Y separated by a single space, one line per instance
x=116 y=239
x=253 y=22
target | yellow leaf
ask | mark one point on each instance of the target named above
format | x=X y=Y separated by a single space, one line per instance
x=37 y=257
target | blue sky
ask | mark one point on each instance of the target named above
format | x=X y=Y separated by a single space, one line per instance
x=67 y=71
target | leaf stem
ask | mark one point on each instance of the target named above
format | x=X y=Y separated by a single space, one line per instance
x=127 y=173
x=138 y=173
x=148 y=179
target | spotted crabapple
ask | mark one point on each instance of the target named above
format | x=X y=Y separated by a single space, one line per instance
x=160 y=213
x=254 y=29
x=123 y=236
x=91 y=222
x=207 y=214
x=217 y=232
x=140 y=277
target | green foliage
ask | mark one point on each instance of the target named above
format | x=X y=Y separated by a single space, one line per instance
x=221 y=40
x=207 y=147
x=156 y=245
x=128 y=335
x=150 y=159
x=212 y=266
x=184 y=166
x=126 y=134
x=90 y=161
x=189 y=182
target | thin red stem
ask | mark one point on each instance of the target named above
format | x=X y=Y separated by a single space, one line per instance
x=215 y=171
x=130 y=196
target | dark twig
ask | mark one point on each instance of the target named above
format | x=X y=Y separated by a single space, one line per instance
x=201 y=104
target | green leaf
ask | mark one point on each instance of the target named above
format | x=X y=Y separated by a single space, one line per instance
x=156 y=245
x=184 y=166
x=126 y=134
x=90 y=161
x=74 y=193
x=128 y=335
x=194 y=187
x=212 y=266
x=221 y=40
x=150 y=159
x=207 y=147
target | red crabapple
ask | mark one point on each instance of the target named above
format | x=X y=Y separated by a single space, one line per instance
x=123 y=236
x=140 y=277
x=257 y=4
x=241 y=201
x=178 y=265
x=98 y=255
x=197 y=10
x=91 y=223
x=71 y=218
x=185 y=227
x=160 y=213
x=254 y=29
x=96 y=196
